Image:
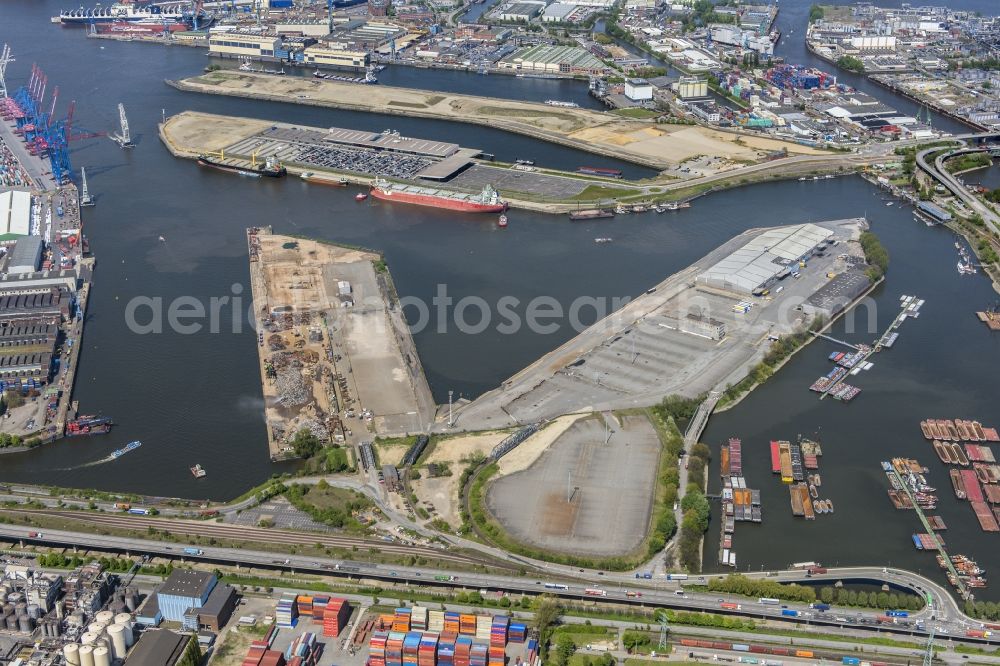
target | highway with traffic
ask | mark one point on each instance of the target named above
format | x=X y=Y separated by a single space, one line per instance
x=943 y=615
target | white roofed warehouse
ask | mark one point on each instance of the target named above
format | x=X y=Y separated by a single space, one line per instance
x=763 y=259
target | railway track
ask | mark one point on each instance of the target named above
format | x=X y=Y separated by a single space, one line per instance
x=239 y=533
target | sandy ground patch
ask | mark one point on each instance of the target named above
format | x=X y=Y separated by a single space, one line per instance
x=643 y=140
x=441 y=492
x=530 y=449
x=200 y=132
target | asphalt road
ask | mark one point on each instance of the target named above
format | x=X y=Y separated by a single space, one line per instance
x=618 y=588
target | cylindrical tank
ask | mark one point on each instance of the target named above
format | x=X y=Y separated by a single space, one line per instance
x=88 y=638
x=71 y=652
x=60 y=608
x=34 y=612
x=86 y=656
x=125 y=620
x=116 y=633
x=11 y=623
x=25 y=624
x=104 y=616
x=102 y=656
x=97 y=628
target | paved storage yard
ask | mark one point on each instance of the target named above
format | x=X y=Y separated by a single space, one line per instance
x=584 y=495
x=639 y=354
x=528 y=182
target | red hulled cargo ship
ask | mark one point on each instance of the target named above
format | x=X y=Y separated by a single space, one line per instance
x=487 y=201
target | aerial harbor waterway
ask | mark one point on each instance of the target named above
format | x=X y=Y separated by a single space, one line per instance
x=195 y=397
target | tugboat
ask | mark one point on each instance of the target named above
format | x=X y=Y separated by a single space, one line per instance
x=502 y=221
x=198 y=471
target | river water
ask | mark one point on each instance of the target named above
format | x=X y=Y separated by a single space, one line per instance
x=196 y=398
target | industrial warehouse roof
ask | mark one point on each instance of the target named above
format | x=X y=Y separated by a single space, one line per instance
x=573 y=55
x=26 y=254
x=15 y=214
x=187 y=583
x=158 y=647
x=559 y=10
x=764 y=257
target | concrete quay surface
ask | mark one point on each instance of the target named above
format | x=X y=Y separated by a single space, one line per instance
x=634 y=356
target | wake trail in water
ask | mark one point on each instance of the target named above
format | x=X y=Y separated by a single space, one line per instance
x=103 y=460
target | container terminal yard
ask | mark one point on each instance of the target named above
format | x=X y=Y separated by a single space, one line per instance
x=45 y=269
x=336 y=356
x=700 y=329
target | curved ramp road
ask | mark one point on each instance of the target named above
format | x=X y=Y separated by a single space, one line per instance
x=944 y=617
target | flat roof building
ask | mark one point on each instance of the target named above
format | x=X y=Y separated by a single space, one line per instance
x=217 y=610
x=15 y=214
x=184 y=589
x=763 y=258
x=638 y=90
x=520 y=11
x=162 y=647
x=236 y=44
x=558 y=12
x=553 y=59
x=26 y=257
x=321 y=55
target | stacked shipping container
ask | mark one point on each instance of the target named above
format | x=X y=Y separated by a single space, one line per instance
x=452 y=623
x=335 y=617
x=401 y=621
x=517 y=633
x=377 y=648
x=498 y=631
x=427 y=650
x=418 y=618
x=463 y=646
x=304 y=650
x=259 y=655
x=394 y=648
x=287 y=613
x=435 y=621
x=411 y=648
x=484 y=623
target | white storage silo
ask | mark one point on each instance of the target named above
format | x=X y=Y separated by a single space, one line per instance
x=71 y=652
x=116 y=633
x=86 y=656
x=125 y=620
x=102 y=657
x=88 y=638
x=107 y=617
x=97 y=628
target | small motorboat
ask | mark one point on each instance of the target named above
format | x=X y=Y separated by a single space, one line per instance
x=502 y=220
x=603 y=240
x=360 y=196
